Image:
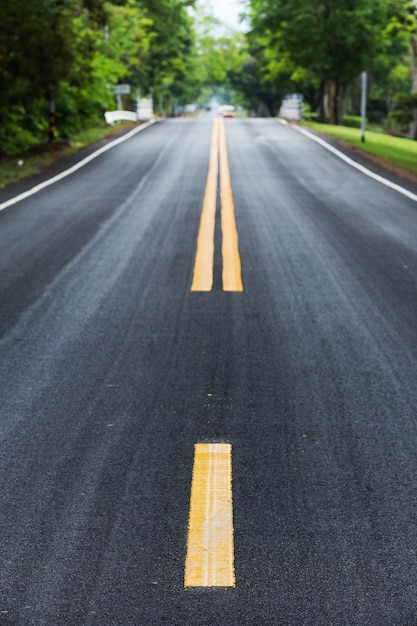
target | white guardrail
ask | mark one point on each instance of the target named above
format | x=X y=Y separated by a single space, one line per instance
x=116 y=116
x=292 y=107
x=143 y=113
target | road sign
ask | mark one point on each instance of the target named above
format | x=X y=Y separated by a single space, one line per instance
x=122 y=89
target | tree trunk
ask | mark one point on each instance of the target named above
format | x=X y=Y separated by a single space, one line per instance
x=322 y=95
x=334 y=103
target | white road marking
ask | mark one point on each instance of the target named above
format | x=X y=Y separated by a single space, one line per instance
x=352 y=163
x=74 y=168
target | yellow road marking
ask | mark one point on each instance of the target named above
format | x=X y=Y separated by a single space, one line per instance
x=204 y=260
x=232 y=279
x=210 y=548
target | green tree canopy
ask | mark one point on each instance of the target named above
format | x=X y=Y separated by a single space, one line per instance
x=75 y=51
x=332 y=39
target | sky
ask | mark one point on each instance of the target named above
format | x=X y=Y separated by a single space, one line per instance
x=227 y=11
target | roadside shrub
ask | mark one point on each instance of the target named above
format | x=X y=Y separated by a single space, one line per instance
x=352 y=121
x=405 y=106
x=308 y=114
x=18 y=131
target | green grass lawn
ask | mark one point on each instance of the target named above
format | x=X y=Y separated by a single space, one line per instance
x=15 y=168
x=396 y=151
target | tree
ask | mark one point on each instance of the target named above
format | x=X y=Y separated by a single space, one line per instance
x=332 y=39
x=74 y=51
x=404 y=22
x=173 y=46
x=43 y=43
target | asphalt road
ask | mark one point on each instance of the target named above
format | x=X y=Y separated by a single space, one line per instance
x=112 y=369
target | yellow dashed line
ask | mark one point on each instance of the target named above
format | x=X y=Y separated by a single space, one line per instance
x=210 y=547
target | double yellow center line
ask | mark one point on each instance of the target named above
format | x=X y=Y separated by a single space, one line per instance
x=204 y=260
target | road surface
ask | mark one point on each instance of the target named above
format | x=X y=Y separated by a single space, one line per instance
x=298 y=377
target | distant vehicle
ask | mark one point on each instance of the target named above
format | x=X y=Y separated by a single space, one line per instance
x=228 y=110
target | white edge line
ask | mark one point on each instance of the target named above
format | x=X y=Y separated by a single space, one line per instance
x=352 y=163
x=74 y=168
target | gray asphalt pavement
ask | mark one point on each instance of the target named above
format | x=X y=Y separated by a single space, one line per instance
x=111 y=369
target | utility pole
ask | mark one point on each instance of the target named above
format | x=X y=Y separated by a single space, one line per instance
x=364 y=84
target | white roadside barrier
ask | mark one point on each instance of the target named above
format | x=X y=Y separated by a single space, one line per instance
x=117 y=116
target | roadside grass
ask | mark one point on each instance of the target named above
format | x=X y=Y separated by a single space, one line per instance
x=39 y=158
x=395 y=153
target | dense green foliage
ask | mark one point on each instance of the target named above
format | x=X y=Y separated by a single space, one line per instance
x=73 y=52
x=320 y=47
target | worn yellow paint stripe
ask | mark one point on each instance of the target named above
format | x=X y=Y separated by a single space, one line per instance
x=210 y=547
x=204 y=259
x=232 y=273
